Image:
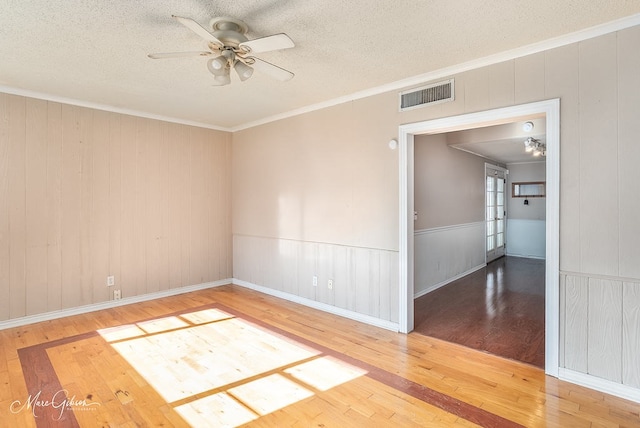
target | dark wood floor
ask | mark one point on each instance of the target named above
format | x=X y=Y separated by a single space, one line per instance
x=498 y=309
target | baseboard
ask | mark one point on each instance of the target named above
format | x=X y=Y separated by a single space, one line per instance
x=47 y=316
x=366 y=319
x=599 y=384
x=448 y=281
x=524 y=256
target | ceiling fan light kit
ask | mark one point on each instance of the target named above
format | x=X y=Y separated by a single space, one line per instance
x=231 y=48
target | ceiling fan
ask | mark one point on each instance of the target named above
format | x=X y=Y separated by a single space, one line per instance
x=230 y=48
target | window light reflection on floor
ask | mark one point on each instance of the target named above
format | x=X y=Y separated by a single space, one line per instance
x=218 y=370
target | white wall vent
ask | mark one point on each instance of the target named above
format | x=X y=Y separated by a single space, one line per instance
x=427 y=95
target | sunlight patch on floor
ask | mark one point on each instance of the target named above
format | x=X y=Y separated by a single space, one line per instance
x=218 y=370
x=325 y=373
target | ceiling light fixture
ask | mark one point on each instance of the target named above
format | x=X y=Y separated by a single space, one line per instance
x=537 y=147
x=243 y=70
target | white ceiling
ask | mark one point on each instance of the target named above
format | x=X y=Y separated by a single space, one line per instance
x=501 y=143
x=96 y=51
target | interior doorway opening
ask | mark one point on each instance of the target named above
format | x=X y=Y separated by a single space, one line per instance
x=549 y=110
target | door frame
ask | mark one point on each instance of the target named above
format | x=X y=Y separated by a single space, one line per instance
x=550 y=109
x=505 y=171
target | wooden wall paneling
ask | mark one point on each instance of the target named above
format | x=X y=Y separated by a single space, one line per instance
x=86 y=203
x=36 y=206
x=340 y=268
x=17 y=227
x=185 y=201
x=576 y=316
x=563 y=320
x=71 y=207
x=476 y=90
x=5 y=234
x=561 y=80
x=178 y=161
x=386 y=285
x=226 y=203
x=115 y=200
x=141 y=206
x=238 y=266
x=352 y=285
x=630 y=336
x=214 y=208
x=163 y=206
x=605 y=329
x=198 y=215
x=599 y=249
x=54 y=206
x=394 y=291
x=99 y=214
x=154 y=234
x=529 y=78
x=374 y=282
x=501 y=84
x=325 y=273
x=288 y=251
x=363 y=267
x=629 y=150
x=128 y=191
x=307 y=268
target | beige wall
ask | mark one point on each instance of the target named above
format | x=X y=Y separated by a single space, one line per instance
x=525 y=172
x=85 y=194
x=338 y=158
x=448 y=184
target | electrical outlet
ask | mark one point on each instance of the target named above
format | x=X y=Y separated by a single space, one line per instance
x=330 y=284
x=111 y=281
x=117 y=295
x=315 y=281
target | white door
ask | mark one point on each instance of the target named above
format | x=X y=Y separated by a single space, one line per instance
x=496 y=211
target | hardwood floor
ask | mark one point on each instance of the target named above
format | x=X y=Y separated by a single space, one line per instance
x=232 y=356
x=498 y=309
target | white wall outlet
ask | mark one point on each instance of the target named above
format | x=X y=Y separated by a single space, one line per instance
x=111 y=281
x=330 y=284
x=315 y=281
x=117 y=295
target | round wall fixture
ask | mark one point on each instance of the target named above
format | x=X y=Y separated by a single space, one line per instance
x=393 y=144
x=527 y=127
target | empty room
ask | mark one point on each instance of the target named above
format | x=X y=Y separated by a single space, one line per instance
x=328 y=214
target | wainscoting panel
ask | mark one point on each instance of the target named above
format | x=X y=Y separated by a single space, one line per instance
x=630 y=338
x=364 y=280
x=605 y=324
x=601 y=316
x=446 y=253
x=576 y=292
x=526 y=238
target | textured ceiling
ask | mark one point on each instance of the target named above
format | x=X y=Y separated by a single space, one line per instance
x=96 y=51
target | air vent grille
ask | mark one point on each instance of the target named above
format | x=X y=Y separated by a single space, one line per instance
x=427 y=95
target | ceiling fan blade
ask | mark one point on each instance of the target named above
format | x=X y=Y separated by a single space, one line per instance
x=198 y=29
x=178 y=54
x=268 y=43
x=270 y=69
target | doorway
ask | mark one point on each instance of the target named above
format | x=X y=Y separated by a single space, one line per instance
x=495 y=190
x=550 y=111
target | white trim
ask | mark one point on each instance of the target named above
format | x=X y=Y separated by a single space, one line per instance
x=104 y=107
x=30 y=319
x=448 y=281
x=551 y=110
x=421 y=79
x=446 y=228
x=367 y=319
x=599 y=384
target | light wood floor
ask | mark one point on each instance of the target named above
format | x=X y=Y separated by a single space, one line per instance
x=230 y=356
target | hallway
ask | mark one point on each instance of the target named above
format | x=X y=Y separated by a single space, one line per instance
x=499 y=309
